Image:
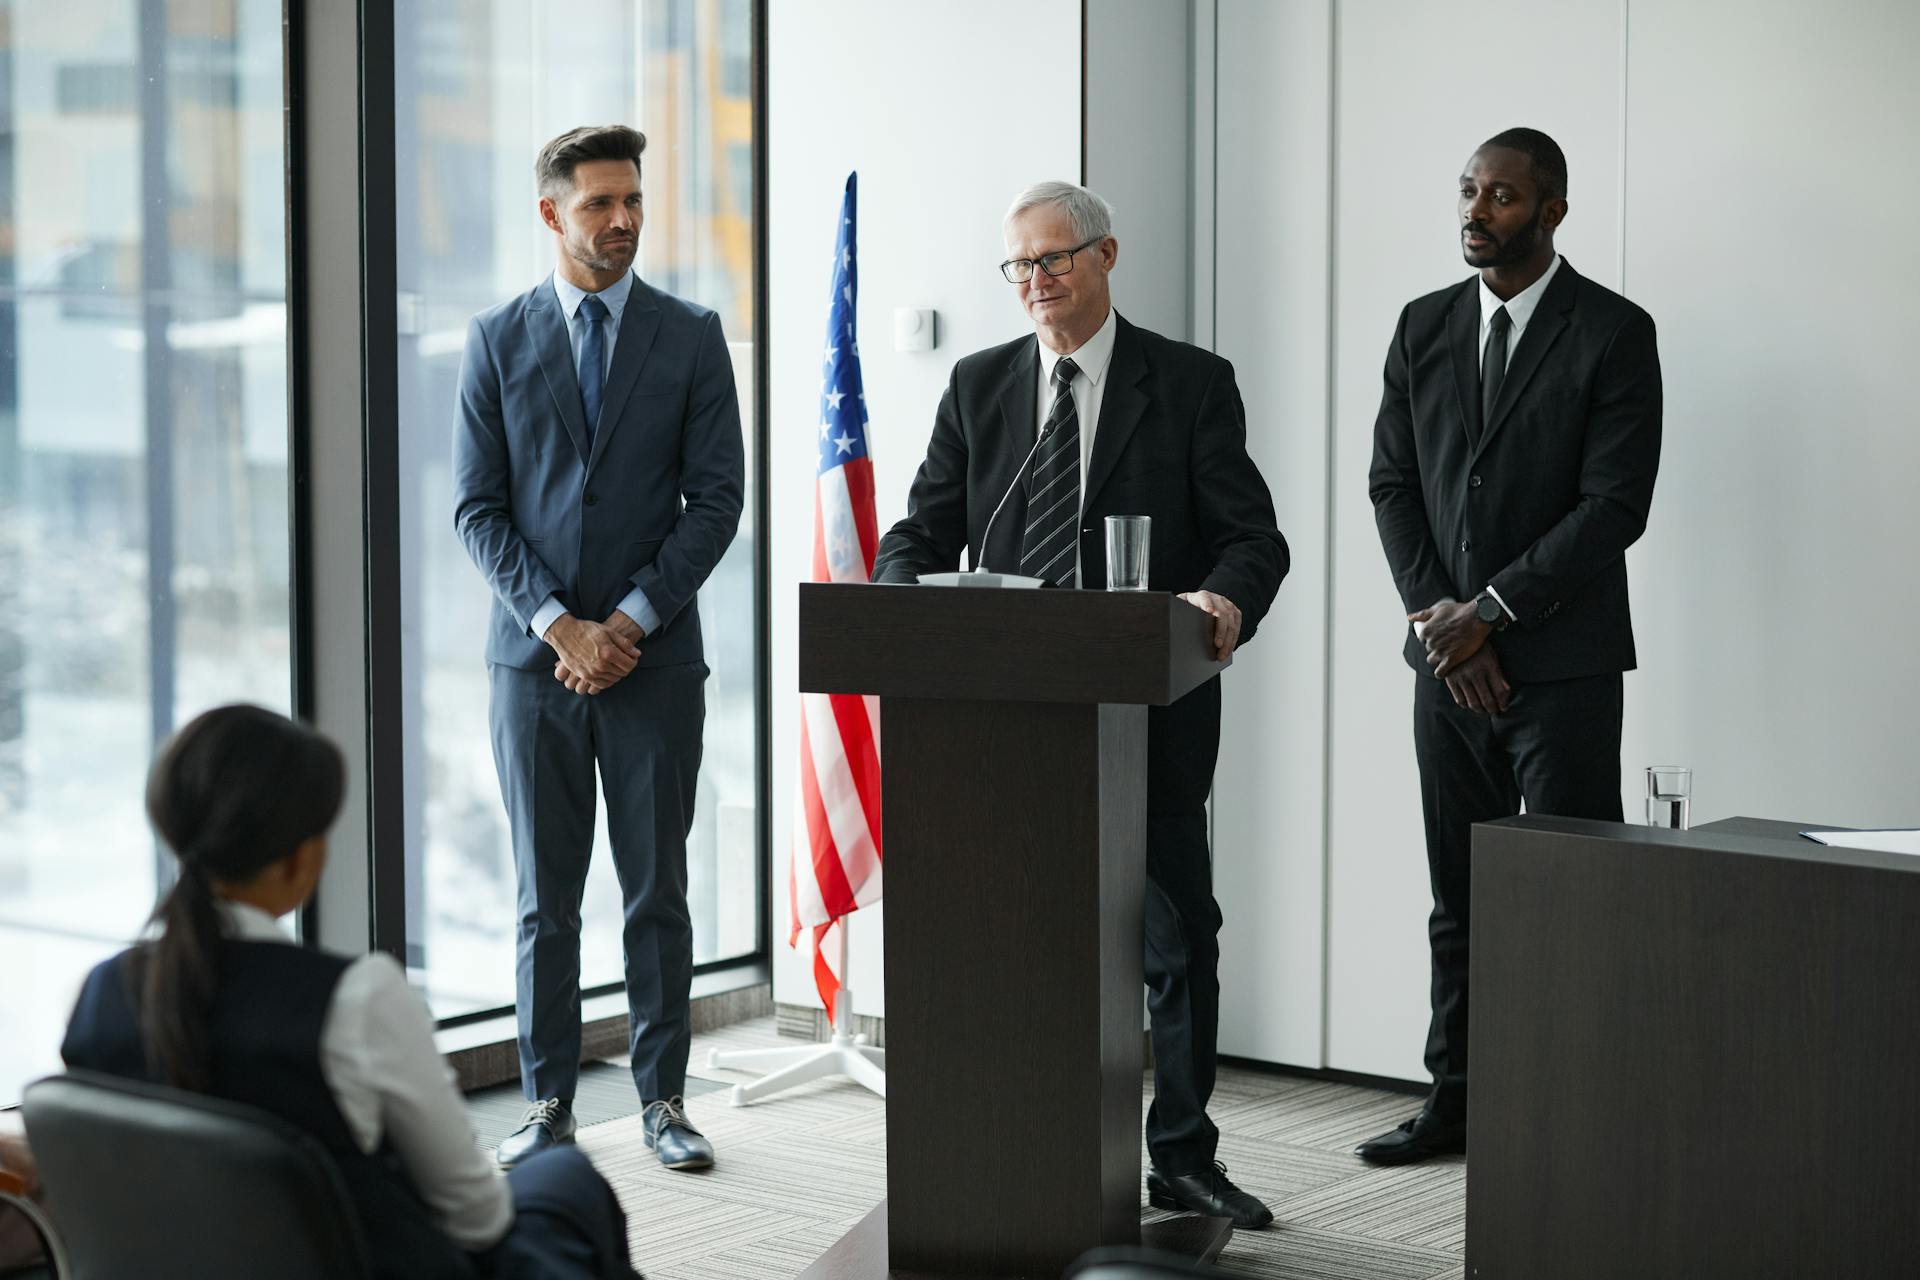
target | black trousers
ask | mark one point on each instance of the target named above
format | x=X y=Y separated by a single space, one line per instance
x=1182 y=930
x=1557 y=749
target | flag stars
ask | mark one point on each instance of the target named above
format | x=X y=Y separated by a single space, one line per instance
x=828 y=357
x=833 y=402
x=824 y=429
x=843 y=443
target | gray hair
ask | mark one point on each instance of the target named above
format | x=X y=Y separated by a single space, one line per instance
x=1091 y=216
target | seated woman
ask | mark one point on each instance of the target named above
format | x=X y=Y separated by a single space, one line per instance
x=220 y=1002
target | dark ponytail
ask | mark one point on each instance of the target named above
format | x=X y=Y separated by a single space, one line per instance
x=235 y=791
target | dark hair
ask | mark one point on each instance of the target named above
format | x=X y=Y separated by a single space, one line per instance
x=235 y=791
x=553 y=170
x=1549 y=162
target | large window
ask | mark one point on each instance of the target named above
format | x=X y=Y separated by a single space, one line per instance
x=143 y=450
x=479 y=86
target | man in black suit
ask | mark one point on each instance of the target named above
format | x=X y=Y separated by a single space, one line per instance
x=1134 y=424
x=1513 y=465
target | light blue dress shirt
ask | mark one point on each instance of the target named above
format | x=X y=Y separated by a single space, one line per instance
x=635 y=606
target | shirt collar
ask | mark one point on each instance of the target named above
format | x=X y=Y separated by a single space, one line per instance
x=1521 y=306
x=1091 y=357
x=614 y=295
x=248 y=923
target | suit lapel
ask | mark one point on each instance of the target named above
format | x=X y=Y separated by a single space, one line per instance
x=1543 y=330
x=547 y=330
x=639 y=322
x=1018 y=395
x=1463 y=342
x=1121 y=407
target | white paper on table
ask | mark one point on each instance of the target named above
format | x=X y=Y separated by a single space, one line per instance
x=1907 y=841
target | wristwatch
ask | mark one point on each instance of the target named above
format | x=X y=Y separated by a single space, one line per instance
x=1489 y=611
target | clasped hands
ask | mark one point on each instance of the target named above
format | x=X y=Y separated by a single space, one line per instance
x=1459 y=654
x=594 y=656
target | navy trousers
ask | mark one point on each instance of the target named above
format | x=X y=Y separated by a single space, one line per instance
x=566 y=1223
x=645 y=735
x=1557 y=747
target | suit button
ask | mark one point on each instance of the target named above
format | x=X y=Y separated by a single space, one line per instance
x=1466 y=544
x=591 y=499
x=1473 y=482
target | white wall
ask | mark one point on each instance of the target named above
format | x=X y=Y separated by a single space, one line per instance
x=945 y=124
x=1139 y=152
x=1770 y=196
x=1739 y=169
x=1271 y=230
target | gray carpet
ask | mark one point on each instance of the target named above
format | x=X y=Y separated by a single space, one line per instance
x=796 y=1171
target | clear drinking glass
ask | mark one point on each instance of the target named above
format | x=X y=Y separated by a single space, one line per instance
x=1127 y=538
x=1669 y=795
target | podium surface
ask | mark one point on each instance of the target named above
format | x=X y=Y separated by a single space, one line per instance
x=1013 y=730
x=1694 y=1053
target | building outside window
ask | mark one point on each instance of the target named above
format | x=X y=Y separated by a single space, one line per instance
x=144 y=553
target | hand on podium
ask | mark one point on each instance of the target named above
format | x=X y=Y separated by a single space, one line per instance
x=1226 y=620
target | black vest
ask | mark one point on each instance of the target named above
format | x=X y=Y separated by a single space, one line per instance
x=270 y=1004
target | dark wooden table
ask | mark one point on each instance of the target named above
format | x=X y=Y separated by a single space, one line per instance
x=1695 y=1054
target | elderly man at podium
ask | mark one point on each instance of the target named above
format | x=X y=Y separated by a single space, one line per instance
x=1037 y=440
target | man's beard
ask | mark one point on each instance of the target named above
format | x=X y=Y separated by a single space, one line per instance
x=1516 y=249
x=598 y=259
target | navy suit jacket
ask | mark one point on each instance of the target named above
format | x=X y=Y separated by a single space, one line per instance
x=653 y=503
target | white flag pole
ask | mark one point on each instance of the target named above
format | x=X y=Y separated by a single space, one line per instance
x=844 y=1054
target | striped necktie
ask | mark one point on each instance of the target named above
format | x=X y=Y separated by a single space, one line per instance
x=1047 y=550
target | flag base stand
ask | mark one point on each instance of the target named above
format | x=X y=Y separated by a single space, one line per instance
x=844 y=1055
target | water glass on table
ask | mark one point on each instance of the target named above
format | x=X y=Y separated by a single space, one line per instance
x=1127 y=542
x=1669 y=795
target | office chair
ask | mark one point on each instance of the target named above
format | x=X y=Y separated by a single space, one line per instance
x=146 y=1181
x=53 y=1264
x=1131 y=1262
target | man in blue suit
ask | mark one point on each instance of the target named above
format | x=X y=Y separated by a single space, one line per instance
x=597 y=482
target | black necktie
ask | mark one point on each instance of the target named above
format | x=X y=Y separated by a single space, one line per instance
x=1493 y=368
x=1053 y=494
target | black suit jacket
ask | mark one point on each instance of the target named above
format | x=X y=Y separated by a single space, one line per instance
x=1544 y=507
x=1170 y=444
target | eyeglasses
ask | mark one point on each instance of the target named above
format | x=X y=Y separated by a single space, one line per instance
x=1057 y=263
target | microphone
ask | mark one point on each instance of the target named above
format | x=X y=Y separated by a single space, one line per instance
x=1045 y=431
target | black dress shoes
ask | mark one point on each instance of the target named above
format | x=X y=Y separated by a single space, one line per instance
x=1416 y=1139
x=1207 y=1192
x=548 y=1123
x=673 y=1137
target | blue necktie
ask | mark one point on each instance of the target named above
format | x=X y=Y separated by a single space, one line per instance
x=593 y=361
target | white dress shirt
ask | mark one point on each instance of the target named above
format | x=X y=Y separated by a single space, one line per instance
x=636 y=605
x=1091 y=358
x=391 y=1084
x=1520 y=308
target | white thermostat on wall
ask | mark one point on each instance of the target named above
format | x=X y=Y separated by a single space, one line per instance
x=913 y=330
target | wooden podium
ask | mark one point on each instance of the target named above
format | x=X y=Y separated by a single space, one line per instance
x=1013 y=731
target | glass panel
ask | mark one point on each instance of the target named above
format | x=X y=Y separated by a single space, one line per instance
x=143 y=450
x=480 y=86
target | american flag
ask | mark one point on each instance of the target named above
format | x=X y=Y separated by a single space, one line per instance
x=836 y=855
